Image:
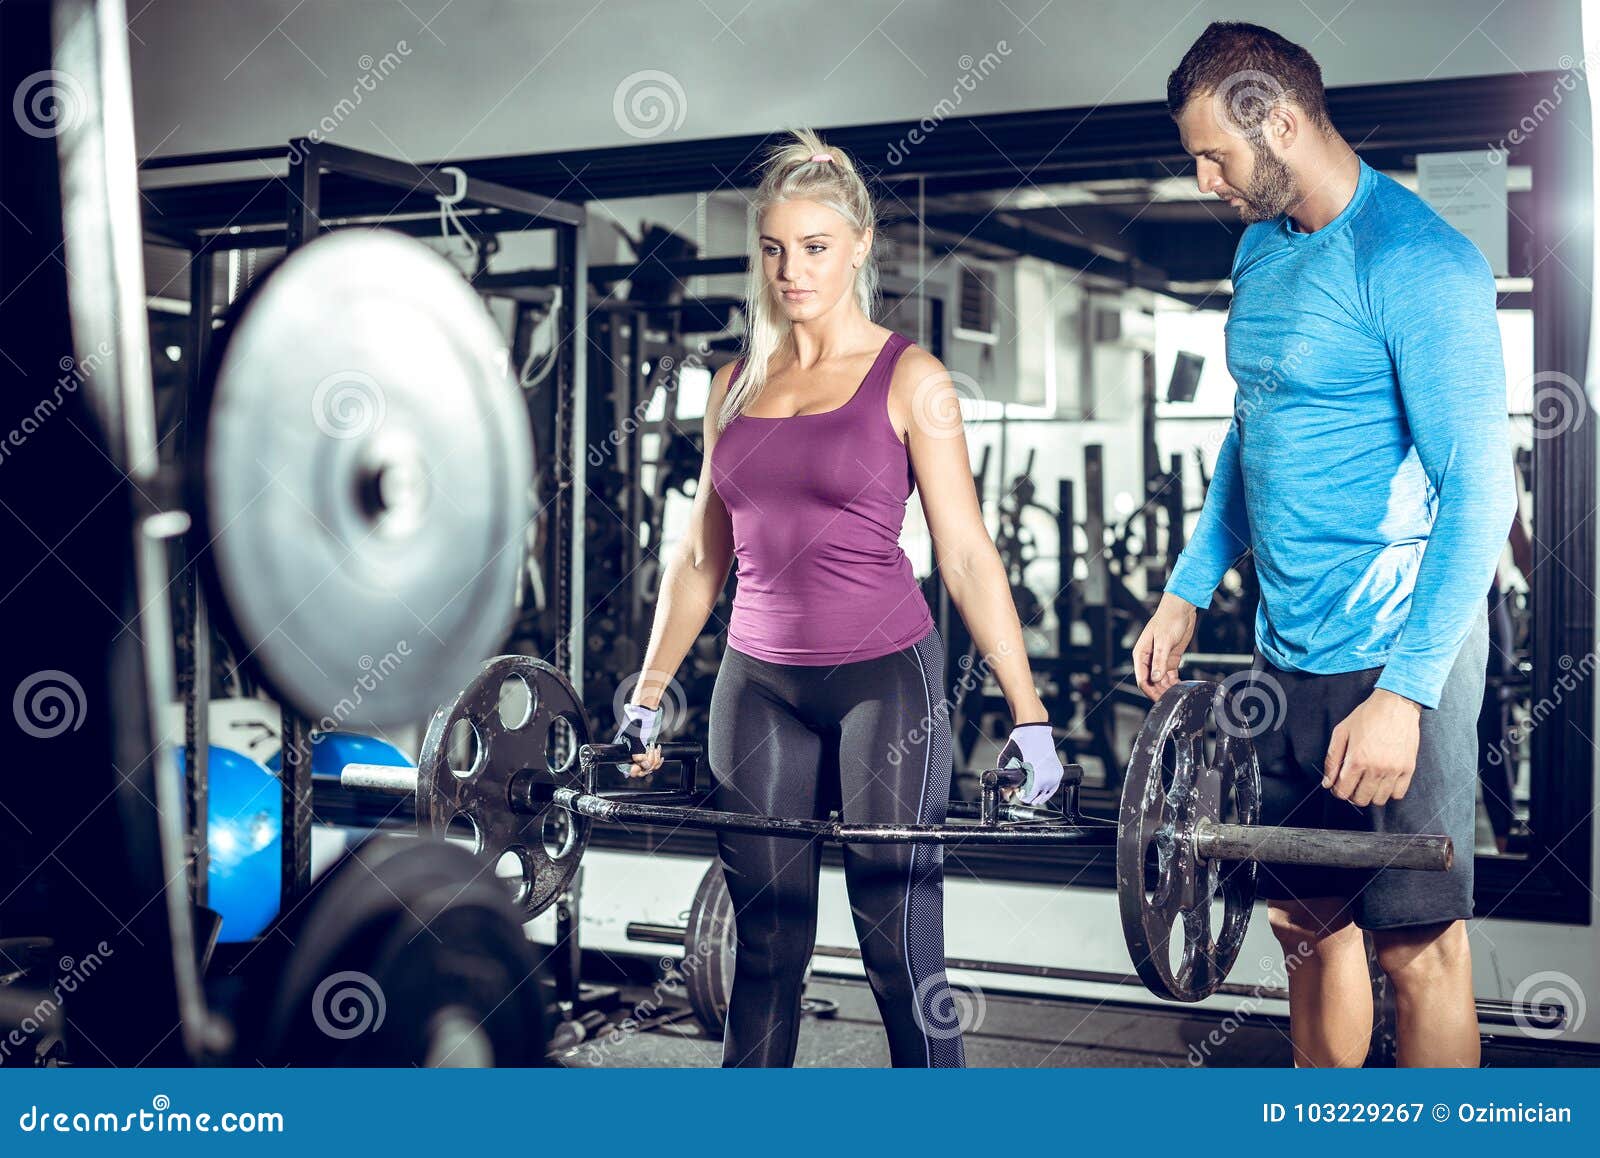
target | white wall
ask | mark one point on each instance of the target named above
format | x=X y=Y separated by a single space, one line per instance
x=488 y=77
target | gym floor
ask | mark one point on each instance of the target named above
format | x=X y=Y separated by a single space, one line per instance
x=1015 y=1031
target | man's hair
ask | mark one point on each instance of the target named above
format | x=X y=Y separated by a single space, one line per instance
x=1250 y=69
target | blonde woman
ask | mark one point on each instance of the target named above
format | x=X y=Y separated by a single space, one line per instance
x=832 y=690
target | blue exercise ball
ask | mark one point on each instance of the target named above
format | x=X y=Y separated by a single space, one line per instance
x=331 y=751
x=244 y=816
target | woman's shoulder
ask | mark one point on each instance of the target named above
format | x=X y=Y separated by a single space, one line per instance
x=914 y=366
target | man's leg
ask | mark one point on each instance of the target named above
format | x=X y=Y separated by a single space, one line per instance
x=1325 y=956
x=1418 y=919
x=1430 y=967
x=1330 y=985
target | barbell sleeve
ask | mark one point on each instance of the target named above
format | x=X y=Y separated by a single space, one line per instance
x=1329 y=848
x=388 y=779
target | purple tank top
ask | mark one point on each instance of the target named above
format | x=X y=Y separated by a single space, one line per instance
x=817 y=503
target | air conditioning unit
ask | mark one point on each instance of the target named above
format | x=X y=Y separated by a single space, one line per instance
x=1023 y=333
x=1107 y=325
x=975 y=304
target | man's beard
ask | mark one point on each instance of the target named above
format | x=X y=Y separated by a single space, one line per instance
x=1272 y=187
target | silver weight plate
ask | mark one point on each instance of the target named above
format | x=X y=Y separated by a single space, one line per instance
x=367 y=465
x=512 y=734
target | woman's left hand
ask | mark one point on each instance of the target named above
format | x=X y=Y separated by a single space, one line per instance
x=1033 y=747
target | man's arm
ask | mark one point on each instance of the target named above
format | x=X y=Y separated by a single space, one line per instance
x=1222 y=532
x=1438 y=320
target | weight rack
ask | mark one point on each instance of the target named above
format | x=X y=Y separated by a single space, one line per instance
x=328 y=186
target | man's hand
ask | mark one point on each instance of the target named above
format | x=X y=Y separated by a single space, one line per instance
x=1161 y=645
x=1373 y=752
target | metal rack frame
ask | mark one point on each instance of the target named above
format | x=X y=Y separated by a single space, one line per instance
x=487 y=205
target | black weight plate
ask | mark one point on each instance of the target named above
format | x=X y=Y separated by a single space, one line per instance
x=409 y=954
x=20 y=956
x=1173 y=781
x=522 y=719
x=366 y=471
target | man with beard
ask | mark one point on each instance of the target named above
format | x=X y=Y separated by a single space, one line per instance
x=1366 y=467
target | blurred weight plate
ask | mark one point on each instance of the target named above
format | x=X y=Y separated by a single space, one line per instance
x=366 y=472
x=406 y=953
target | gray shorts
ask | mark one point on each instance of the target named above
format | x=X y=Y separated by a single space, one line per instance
x=1442 y=797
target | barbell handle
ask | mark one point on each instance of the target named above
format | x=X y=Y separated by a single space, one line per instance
x=671 y=750
x=684 y=753
x=1003 y=778
x=991 y=785
x=1325 y=847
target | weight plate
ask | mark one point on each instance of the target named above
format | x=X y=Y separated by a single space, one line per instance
x=1186 y=766
x=516 y=725
x=406 y=955
x=21 y=955
x=365 y=483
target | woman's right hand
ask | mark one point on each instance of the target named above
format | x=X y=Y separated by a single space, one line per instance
x=641 y=731
x=1161 y=645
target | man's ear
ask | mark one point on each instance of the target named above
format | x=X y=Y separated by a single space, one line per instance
x=1282 y=124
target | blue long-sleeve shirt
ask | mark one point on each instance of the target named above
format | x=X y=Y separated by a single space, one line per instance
x=1368 y=463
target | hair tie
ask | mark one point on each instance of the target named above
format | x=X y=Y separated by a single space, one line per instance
x=822 y=157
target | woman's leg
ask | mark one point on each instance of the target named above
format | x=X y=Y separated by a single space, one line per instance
x=895 y=767
x=764 y=760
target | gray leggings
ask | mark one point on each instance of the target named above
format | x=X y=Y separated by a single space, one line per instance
x=871 y=739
